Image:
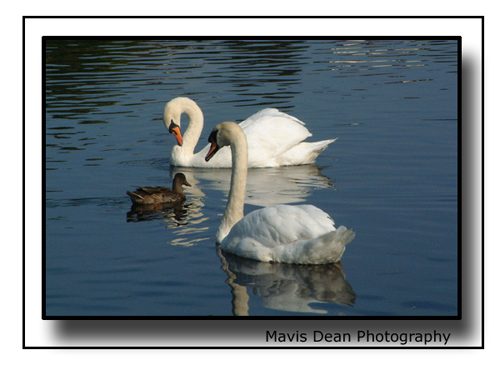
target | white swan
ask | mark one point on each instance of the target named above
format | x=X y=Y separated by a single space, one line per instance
x=275 y=138
x=291 y=234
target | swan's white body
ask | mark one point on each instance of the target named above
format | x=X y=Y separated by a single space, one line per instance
x=274 y=138
x=301 y=234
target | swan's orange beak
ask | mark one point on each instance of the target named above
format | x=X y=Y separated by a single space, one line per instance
x=177 y=133
x=176 y=130
x=214 y=147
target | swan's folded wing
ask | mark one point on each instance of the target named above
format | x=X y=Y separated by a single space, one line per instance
x=282 y=224
x=267 y=113
x=289 y=234
x=271 y=133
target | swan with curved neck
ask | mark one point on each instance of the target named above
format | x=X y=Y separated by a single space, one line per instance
x=301 y=234
x=274 y=138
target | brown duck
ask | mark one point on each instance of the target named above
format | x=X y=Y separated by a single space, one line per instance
x=158 y=194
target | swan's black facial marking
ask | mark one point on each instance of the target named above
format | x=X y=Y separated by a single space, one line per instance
x=213 y=136
x=172 y=126
x=214 y=147
x=175 y=129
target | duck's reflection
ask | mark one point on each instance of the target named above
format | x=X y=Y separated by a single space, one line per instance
x=265 y=186
x=185 y=217
x=285 y=287
x=175 y=211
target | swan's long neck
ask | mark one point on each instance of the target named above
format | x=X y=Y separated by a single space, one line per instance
x=236 y=201
x=193 y=131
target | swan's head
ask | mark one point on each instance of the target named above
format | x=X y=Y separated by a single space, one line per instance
x=222 y=135
x=172 y=115
x=172 y=118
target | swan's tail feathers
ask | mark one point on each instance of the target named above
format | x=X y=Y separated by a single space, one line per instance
x=330 y=247
x=344 y=235
x=305 y=152
x=318 y=146
x=327 y=248
x=324 y=143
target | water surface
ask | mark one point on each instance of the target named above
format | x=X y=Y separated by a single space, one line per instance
x=391 y=176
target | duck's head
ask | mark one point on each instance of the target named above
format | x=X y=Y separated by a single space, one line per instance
x=180 y=179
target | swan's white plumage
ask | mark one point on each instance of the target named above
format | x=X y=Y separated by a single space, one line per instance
x=289 y=234
x=274 y=139
x=301 y=234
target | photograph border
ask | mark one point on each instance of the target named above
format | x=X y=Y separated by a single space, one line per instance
x=78 y=325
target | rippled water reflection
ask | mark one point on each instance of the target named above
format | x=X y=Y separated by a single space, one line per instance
x=391 y=176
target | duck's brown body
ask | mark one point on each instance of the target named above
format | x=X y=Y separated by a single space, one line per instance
x=159 y=194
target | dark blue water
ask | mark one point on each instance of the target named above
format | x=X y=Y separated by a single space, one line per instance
x=391 y=176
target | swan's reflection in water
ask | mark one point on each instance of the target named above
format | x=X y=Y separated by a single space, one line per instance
x=265 y=186
x=285 y=287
